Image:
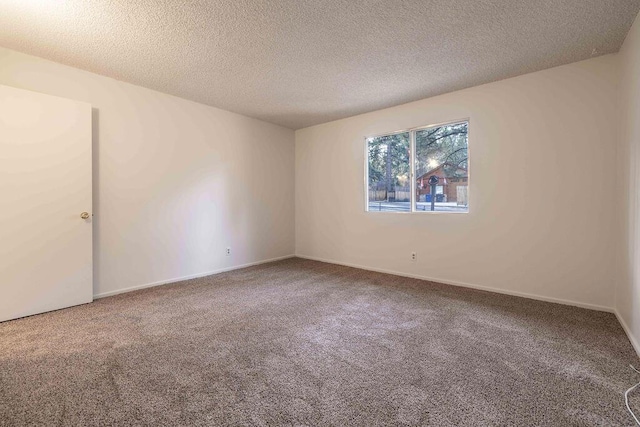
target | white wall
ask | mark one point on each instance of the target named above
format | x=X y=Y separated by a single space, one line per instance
x=175 y=182
x=628 y=289
x=542 y=189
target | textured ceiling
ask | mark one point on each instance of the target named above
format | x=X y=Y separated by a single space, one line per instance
x=303 y=62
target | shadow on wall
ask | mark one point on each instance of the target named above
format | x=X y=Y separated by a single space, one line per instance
x=95 y=131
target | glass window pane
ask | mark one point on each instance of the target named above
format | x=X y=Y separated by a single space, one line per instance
x=389 y=171
x=442 y=163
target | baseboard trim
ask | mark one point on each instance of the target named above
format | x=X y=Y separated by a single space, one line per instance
x=191 y=276
x=627 y=330
x=467 y=285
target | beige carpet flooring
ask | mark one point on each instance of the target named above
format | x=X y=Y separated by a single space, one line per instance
x=303 y=343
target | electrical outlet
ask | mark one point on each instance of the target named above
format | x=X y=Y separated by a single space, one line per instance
x=228 y=251
x=414 y=256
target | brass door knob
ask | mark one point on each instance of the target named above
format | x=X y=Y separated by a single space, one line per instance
x=84 y=215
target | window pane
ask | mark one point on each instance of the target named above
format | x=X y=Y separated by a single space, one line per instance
x=442 y=163
x=389 y=171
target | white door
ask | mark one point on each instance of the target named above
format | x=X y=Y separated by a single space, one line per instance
x=45 y=186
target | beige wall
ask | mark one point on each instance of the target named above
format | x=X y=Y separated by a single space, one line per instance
x=173 y=180
x=524 y=234
x=174 y=185
x=628 y=289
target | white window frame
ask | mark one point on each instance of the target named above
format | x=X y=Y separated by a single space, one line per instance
x=412 y=167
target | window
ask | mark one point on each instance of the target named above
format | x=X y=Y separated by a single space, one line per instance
x=438 y=158
x=389 y=172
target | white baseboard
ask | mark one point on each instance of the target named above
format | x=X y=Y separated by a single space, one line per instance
x=467 y=285
x=627 y=330
x=191 y=276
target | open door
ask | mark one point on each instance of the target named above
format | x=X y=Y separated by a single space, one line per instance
x=45 y=203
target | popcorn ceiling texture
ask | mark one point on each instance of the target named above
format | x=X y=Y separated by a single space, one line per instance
x=303 y=62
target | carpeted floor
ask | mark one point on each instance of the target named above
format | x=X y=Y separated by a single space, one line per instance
x=300 y=342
